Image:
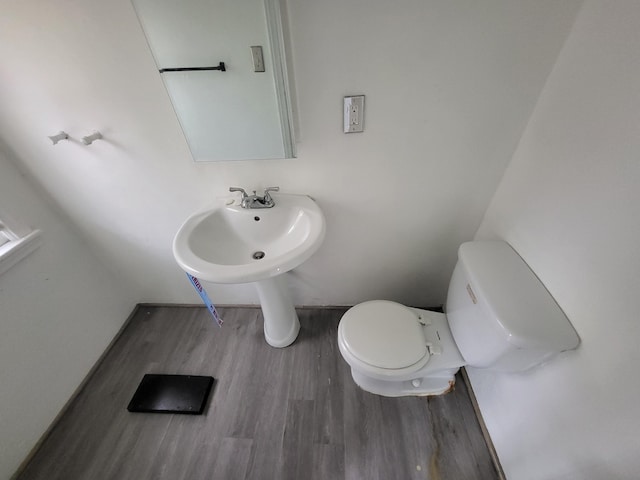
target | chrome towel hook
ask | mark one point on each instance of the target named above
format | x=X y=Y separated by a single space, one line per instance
x=59 y=136
x=89 y=139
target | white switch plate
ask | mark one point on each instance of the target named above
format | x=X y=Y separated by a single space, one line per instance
x=354 y=113
x=258 y=59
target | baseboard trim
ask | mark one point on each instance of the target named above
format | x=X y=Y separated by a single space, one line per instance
x=193 y=305
x=234 y=305
x=74 y=395
x=437 y=308
x=483 y=426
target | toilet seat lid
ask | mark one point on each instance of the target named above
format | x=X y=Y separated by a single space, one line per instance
x=383 y=334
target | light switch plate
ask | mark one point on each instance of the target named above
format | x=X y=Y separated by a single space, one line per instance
x=353 y=113
x=258 y=59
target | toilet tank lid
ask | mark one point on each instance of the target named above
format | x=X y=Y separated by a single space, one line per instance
x=515 y=297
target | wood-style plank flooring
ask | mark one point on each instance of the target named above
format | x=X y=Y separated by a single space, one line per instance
x=291 y=413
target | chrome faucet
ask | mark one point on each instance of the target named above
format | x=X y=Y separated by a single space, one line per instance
x=256 y=201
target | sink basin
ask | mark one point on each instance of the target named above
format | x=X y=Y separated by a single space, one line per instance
x=231 y=244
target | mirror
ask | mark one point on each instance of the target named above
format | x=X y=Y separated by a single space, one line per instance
x=227 y=107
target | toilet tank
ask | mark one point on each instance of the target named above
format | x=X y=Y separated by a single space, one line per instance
x=500 y=314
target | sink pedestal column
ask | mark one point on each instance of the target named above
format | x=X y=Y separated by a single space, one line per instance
x=281 y=324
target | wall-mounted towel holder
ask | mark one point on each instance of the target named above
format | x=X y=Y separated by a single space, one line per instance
x=221 y=66
x=59 y=136
x=89 y=139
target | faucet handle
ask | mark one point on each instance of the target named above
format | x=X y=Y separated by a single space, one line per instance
x=238 y=189
x=267 y=197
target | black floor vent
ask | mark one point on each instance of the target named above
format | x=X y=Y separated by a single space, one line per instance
x=171 y=394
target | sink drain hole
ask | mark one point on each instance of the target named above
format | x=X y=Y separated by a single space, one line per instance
x=258 y=255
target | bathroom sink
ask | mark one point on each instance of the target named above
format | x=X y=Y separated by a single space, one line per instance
x=230 y=244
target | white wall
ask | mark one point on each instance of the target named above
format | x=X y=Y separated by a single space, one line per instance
x=570 y=204
x=449 y=85
x=59 y=309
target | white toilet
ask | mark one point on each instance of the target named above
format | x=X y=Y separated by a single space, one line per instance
x=499 y=316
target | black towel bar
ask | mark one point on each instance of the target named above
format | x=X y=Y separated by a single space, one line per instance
x=220 y=67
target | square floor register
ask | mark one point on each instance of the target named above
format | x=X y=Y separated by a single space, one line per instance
x=172 y=394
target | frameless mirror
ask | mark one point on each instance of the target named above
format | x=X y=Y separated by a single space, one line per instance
x=231 y=98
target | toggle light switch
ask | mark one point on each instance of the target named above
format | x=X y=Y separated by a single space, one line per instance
x=353 y=113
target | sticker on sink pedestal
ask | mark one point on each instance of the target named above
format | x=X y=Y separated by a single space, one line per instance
x=205 y=298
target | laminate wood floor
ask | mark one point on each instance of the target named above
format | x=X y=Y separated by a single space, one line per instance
x=291 y=413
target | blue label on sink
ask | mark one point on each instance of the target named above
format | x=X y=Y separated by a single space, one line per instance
x=205 y=298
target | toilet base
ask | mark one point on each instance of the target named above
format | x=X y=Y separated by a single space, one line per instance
x=435 y=378
x=437 y=384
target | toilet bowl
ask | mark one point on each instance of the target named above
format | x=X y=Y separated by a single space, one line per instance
x=499 y=316
x=395 y=350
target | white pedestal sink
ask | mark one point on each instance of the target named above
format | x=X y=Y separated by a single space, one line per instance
x=230 y=244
